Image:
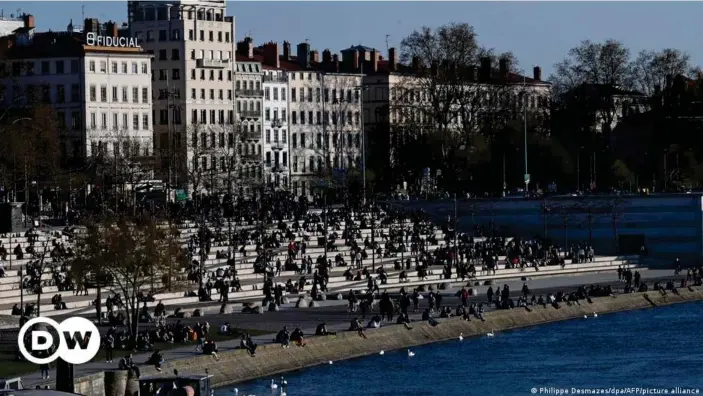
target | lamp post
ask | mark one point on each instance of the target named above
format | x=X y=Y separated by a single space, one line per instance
x=360 y=90
x=524 y=118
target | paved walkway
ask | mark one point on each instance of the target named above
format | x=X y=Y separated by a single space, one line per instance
x=333 y=312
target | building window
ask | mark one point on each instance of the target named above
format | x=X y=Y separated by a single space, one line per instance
x=103 y=93
x=292 y=94
x=145 y=121
x=145 y=95
x=93 y=93
x=135 y=122
x=135 y=95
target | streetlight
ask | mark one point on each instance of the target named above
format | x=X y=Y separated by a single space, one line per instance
x=360 y=89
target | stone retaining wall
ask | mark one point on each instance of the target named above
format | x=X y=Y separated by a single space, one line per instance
x=237 y=366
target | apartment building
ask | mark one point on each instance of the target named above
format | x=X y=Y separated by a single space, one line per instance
x=98 y=83
x=250 y=96
x=324 y=117
x=275 y=144
x=193 y=83
x=401 y=99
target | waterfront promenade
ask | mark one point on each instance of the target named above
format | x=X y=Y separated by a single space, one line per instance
x=333 y=312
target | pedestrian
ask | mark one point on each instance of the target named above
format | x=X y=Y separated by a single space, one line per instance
x=44 y=370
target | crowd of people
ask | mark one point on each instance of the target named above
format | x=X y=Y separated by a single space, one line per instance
x=282 y=229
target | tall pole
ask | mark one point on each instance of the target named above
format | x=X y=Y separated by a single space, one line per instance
x=666 y=174
x=595 y=168
x=324 y=233
x=456 y=231
x=363 y=135
x=505 y=184
x=578 y=170
x=524 y=105
x=373 y=236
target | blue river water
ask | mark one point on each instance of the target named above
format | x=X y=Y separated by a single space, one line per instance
x=652 y=348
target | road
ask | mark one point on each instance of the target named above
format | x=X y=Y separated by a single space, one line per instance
x=334 y=313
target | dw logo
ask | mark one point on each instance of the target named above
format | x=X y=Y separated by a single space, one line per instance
x=79 y=340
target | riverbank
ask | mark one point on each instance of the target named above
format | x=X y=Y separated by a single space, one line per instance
x=237 y=366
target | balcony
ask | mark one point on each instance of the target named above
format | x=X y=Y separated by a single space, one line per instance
x=276 y=167
x=276 y=78
x=278 y=146
x=250 y=93
x=213 y=63
x=276 y=123
x=252 y=135
x=250 y=114
x=251 y=157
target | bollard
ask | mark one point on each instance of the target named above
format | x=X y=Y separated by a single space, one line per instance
x=115 y=382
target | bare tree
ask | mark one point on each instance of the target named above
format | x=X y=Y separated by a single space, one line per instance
x=125 y=168
x=130 y=252
x=40 y=263
x=31 y=149
x=453 y=100
x=616 y=208
x=331 y=112
x=654 y=70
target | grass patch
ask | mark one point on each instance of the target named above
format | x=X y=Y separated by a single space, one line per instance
x=11 y=367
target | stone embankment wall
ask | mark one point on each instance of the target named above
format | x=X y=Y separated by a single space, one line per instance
x=237 y=366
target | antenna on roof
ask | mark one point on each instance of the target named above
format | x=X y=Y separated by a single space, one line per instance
x=83 y=12
x=388 y=35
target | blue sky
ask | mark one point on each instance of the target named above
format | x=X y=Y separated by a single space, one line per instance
x=539 y=33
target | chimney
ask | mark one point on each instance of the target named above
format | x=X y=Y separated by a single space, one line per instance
x=416 y=63
x=393 y=59
x=335 y=60
x=485 y=73
x=91 y=25
x=315 y=57
x=271 y=55
x=374 y=60
x=434 y=68
x=29 y=21
x=326 y=56
x=504 y=67
x=355 y=60
x=286 y=50
x=537 y=73
x=249 y=42
x=473 y=73
x=246 y=47
x=111 y=29
x=303 y=54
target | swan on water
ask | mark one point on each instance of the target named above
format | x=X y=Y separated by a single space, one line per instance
x=461 y=336
x=491 y=334
x=585 y=316
x=411 y=353
x=382 y=353
x=235 y=391
x=595 y=315
x=330 y=362
x=273 y=384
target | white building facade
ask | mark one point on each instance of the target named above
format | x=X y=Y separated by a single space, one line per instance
x=276 y=129
x=193 y=85
x=250 y=96
x=101 y=95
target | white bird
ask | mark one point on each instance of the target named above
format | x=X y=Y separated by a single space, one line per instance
x=382 y=353
x=330 y=362
x=411 y=353
x=461 y=336
x=584 y=316
x=235 y=391
x=490 y=334
x=595 y=315
x=273 y=384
